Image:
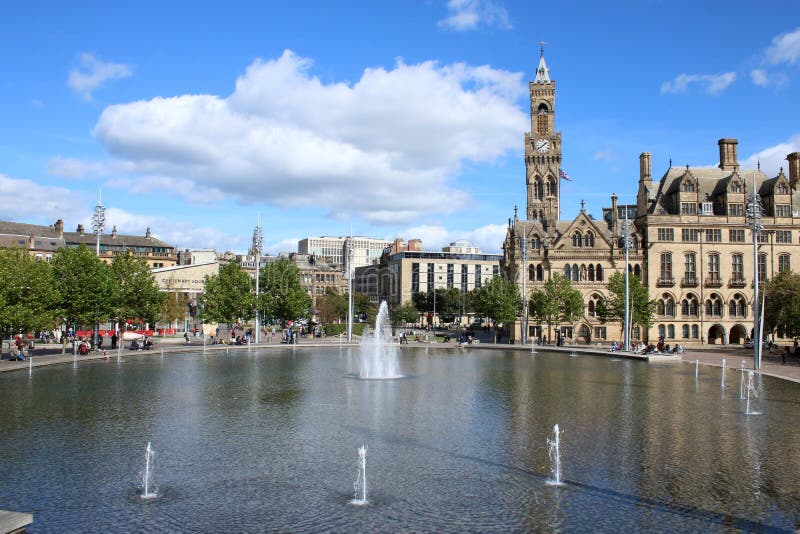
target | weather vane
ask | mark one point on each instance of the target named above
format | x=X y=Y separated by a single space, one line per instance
x=541 y=46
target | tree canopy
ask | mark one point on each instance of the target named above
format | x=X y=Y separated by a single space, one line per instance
x=612 y=309
x=556 y=303
x=407 y=313
x=28 y=297
x=332 y=308
x=228 y=296
x=282 y=297
x=137 y=294
x=782 y=304
x=499 y=299
x=85 y=286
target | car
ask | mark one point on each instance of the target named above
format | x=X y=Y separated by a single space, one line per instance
x=749 y=345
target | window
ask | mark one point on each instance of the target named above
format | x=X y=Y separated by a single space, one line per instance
x=662 y=331
x=685 y=331
x=531 y=273
x=495 y=270
x=414 y=278
x=714 y=306
x=591 y=273
x=713 y=267
x=736 y=307
x=575 y=272
x=736 y=236
x=666 y=266
x=690 y=266
x=688 y=208
x=666 y=234
x=598 y=273
x=783 y=263
x=577 y=241
x=687 y=187
x=599 y=332
x=783 y=210
x=671 y=331
x=568 y=271
x=690 y=235
x=736 y=210
x=736 y=187
x=762 y=267
x=588 y=240
x=690 y=306
x=714 y=236
x=541 y=120
x=539 y=273
x=782 y=189
x=463 y=277
x=695 y=332
x=783 y=236
x=737 y=267
x=430 y=277
x=450 y=275
x=706 y=208
x=478 y=281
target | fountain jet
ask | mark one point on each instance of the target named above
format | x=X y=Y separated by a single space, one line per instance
x=149 y=489
x=378 y=353
x=360 y=485
x=555 y=458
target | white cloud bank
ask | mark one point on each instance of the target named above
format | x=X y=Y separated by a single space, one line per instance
x=93 y=73
x=488 y=238
x=464 y=15
x=708 y=83
x=785 y=48
x=774 y=157
x=384 y=147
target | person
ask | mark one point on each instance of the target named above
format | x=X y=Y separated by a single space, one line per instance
x=83 y=348
x=186 y=337
x=148 y=343
x=135 y=345
x=114 y=339
x=614 y=346
x=784 y=354
x=99 y=341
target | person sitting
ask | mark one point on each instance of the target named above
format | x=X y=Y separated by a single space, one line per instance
x=83 y=348
x=135 y=345
x=148 y=343
x=186 y=337
x=651 y=349
x=614 y=346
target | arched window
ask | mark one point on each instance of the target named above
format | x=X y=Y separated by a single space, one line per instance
x=598 y=273
x=695 y=332
x=690 y=305
x=637 y=271
x=671 y=331
x=685 y=331
x=591 y=273
x=541 y=119
x=660 y=308
x=576 y=239
x=714 y=306
x=669 y=306
x=568 y=272
x=588 y=240
x=781 y=189
x=539 y=273
x=538 y=188
x=531 y=273
x=575 y=272
x=736 y=306
x=590 y=308
x=661 y=331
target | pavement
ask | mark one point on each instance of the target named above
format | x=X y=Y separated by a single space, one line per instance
x=734 y=357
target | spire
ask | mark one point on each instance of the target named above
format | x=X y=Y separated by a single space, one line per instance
x=542 y=72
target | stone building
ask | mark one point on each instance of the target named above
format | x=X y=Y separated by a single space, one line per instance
x=585 y=250
x=700 y=247
x=690 y=240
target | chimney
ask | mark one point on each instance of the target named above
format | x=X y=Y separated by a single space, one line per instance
x=31 y=241
x=147 y=233
x=614 y=214
x=414 y=245
x=80 y=229
x=59 y=227
x=727 y=154
x=794 y=169
x=644 y=167
x=114 y=232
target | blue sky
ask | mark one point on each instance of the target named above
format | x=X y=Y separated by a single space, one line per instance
x=400 y=118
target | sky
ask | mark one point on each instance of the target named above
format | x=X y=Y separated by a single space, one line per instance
x=398 y=119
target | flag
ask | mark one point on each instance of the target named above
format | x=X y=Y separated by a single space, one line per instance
x=563 y=175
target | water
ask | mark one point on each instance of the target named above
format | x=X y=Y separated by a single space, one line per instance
x=378 y=352
x=553 y=450
x=741 y=383
x=696 y=367
x=751 y=389
x=148 y=487
x=722 y=382
x=264 y=443
x=360 y=485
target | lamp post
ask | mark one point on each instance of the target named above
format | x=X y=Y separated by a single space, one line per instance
x=626 y=227
x=524 y=335
x=349 y=268
x=98 y=225
x=258 y=242
x=755 y=213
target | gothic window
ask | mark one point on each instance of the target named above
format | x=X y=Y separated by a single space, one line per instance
x=568 y=271
x=598 y=273
x=531 y=273
x=575 y=272
x=538 y=188
x=660 y=307
x=714 y=306
x=736 y=187
x=590 y=308
x=781 y=189
x=637 y=271
x=539 y=273
x=541 y=119
x=662 y=332
x=588 y=240
x=671 y=331
x=685 y=331
x=689 y=306
x=591 y=273
x=669 y=306
x=576 y=239
x=736 y=307
x=687 y=187
x=695 y=331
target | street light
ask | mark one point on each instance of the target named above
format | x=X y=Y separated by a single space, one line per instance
x=258 y=242
x=99 y=220
x=626 y=228
x=349 y=268
x=524 y=336
x=755 y=214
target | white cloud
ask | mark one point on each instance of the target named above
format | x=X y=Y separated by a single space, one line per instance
x=774 y=157
x=93 y=73
x=384 y=147
x=488 y=238
x=466 y=15
x=284 y=245
x=709 y=83
x=175 y=187
x=759 y=77
x=74 y=168
x=25 y=200
x=785 y=48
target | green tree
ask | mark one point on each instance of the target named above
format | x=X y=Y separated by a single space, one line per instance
x=782 y=304
x=407 y=313
x=363 y=306
x=332 y=308
x=556 y=303
x=137 y=294
x=641 y=308
x=282 y=297
x=499 y=299
x=228 y=296
x=29 y=300
x=174 y=307
x=85 y=286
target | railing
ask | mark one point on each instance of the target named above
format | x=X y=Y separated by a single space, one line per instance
x=737 y=282
x=665 y=282
x=689 y=281
x=713 y=281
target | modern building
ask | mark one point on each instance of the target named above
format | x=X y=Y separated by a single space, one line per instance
x=688 y=236
x=404 y=270
x=333 y=250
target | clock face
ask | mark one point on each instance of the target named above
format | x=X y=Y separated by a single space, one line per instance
x=542 y=145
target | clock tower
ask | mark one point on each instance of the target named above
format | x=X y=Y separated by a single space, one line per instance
x=543 y=149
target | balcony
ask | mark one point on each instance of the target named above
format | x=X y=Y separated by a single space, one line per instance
x=737 y=281
x=714 y=281
x=689 y=281
x=665 y=282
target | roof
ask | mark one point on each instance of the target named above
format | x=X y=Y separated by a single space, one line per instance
x=542 y=72
x=36 y=230
x=124 y=241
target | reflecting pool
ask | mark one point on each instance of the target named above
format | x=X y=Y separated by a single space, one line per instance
x=268 y=441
